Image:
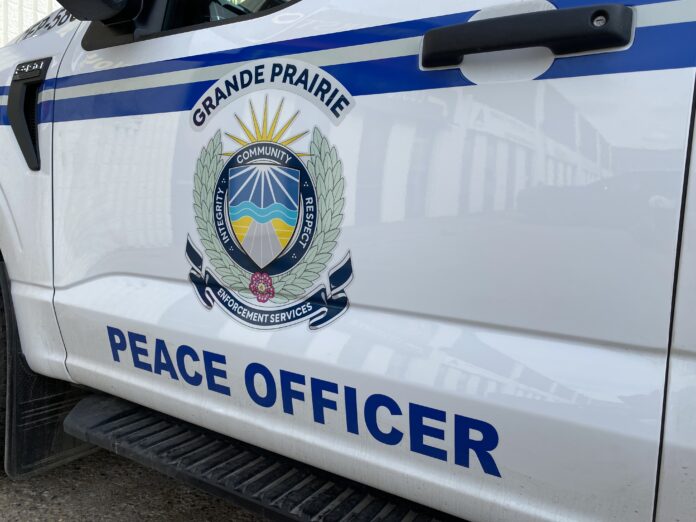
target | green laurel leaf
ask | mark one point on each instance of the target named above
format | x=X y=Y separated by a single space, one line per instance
x=208 y=167
x=326 y=170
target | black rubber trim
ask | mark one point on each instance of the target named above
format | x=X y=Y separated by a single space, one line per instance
x=564 y=31
x=22 y=108
x=277 y=487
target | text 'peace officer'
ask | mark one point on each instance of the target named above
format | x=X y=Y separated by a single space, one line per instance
x=377 y=415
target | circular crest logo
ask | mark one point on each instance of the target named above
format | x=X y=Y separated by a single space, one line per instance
x=268 y=218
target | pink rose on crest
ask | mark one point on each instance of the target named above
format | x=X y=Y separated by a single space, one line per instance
x=261 y=286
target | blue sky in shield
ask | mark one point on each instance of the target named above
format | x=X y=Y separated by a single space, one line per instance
x=264 y=192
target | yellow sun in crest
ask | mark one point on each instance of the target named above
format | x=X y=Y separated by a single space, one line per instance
x=263 y=132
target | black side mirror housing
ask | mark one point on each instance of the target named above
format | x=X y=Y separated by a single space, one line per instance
x=107 y=11
x=115 y=22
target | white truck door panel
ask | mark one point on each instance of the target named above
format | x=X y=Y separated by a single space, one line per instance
x=513 y=246
x=26 y=201
x=677 y=482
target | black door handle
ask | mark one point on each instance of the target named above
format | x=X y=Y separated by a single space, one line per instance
x=564 y=31
x=23 y=106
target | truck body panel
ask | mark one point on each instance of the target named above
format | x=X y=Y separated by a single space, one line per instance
x=487 y=329
x=26 y=203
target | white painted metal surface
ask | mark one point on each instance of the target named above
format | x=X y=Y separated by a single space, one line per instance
x=677 y=476
x=513 y=245
x=26 y=214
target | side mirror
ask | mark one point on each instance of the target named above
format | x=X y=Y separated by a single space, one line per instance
x=107 y=11
x=114 y=22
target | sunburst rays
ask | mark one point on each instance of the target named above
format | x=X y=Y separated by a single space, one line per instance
x=262 y=131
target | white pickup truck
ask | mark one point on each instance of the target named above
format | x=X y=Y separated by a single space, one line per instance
x=366 y=260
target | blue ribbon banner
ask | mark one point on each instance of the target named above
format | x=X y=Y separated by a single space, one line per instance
x=322 y=307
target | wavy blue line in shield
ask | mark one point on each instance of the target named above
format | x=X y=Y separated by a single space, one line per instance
x=263 y=209
x=263 y=215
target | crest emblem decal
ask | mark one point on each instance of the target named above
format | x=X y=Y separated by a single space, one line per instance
x=268 y=202
x=264 y=187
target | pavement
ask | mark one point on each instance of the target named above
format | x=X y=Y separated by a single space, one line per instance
x=106 y=487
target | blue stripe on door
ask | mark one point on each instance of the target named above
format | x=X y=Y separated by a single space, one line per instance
x=654 y=48
x=366 y=35
x=301 y=45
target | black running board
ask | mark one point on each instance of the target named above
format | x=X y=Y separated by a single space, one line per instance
x=272 y=485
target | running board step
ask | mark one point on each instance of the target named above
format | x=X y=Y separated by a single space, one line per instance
x=272 y=485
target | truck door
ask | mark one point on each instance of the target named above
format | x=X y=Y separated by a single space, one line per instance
x=28 y=67
x=678 y=456
x=303 y=226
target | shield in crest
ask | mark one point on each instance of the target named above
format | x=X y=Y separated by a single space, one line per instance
x=263 y=208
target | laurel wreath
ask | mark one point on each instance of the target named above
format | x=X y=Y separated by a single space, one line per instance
x=326 y=171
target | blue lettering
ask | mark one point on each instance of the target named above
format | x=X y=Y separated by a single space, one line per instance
x=231 y=86
x=246 y=77
x=319 y=402
x=352 y=410
x=219 y=96
x=323 y=89
x=418 y=430
x=372 y=404
x=211 y=372
x=258 y=74
x=290 y=72
x=426 y=425
x=287 y=379
x=199 y=117
x=250 y=373
x=303 y=79
x=463 y=443
x=341 y=104
x=195 y=378
x=138 y=351
x=118 y=342
x=163 y=361
x=208 y=105
x=276 y=70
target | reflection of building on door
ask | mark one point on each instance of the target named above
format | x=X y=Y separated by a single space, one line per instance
x=527 y=149
x=541 y=156
x=531 y=156
x=17 y=16
x=454 y=360
x=548 y=143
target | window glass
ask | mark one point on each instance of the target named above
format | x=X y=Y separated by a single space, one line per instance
x=187 y=13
